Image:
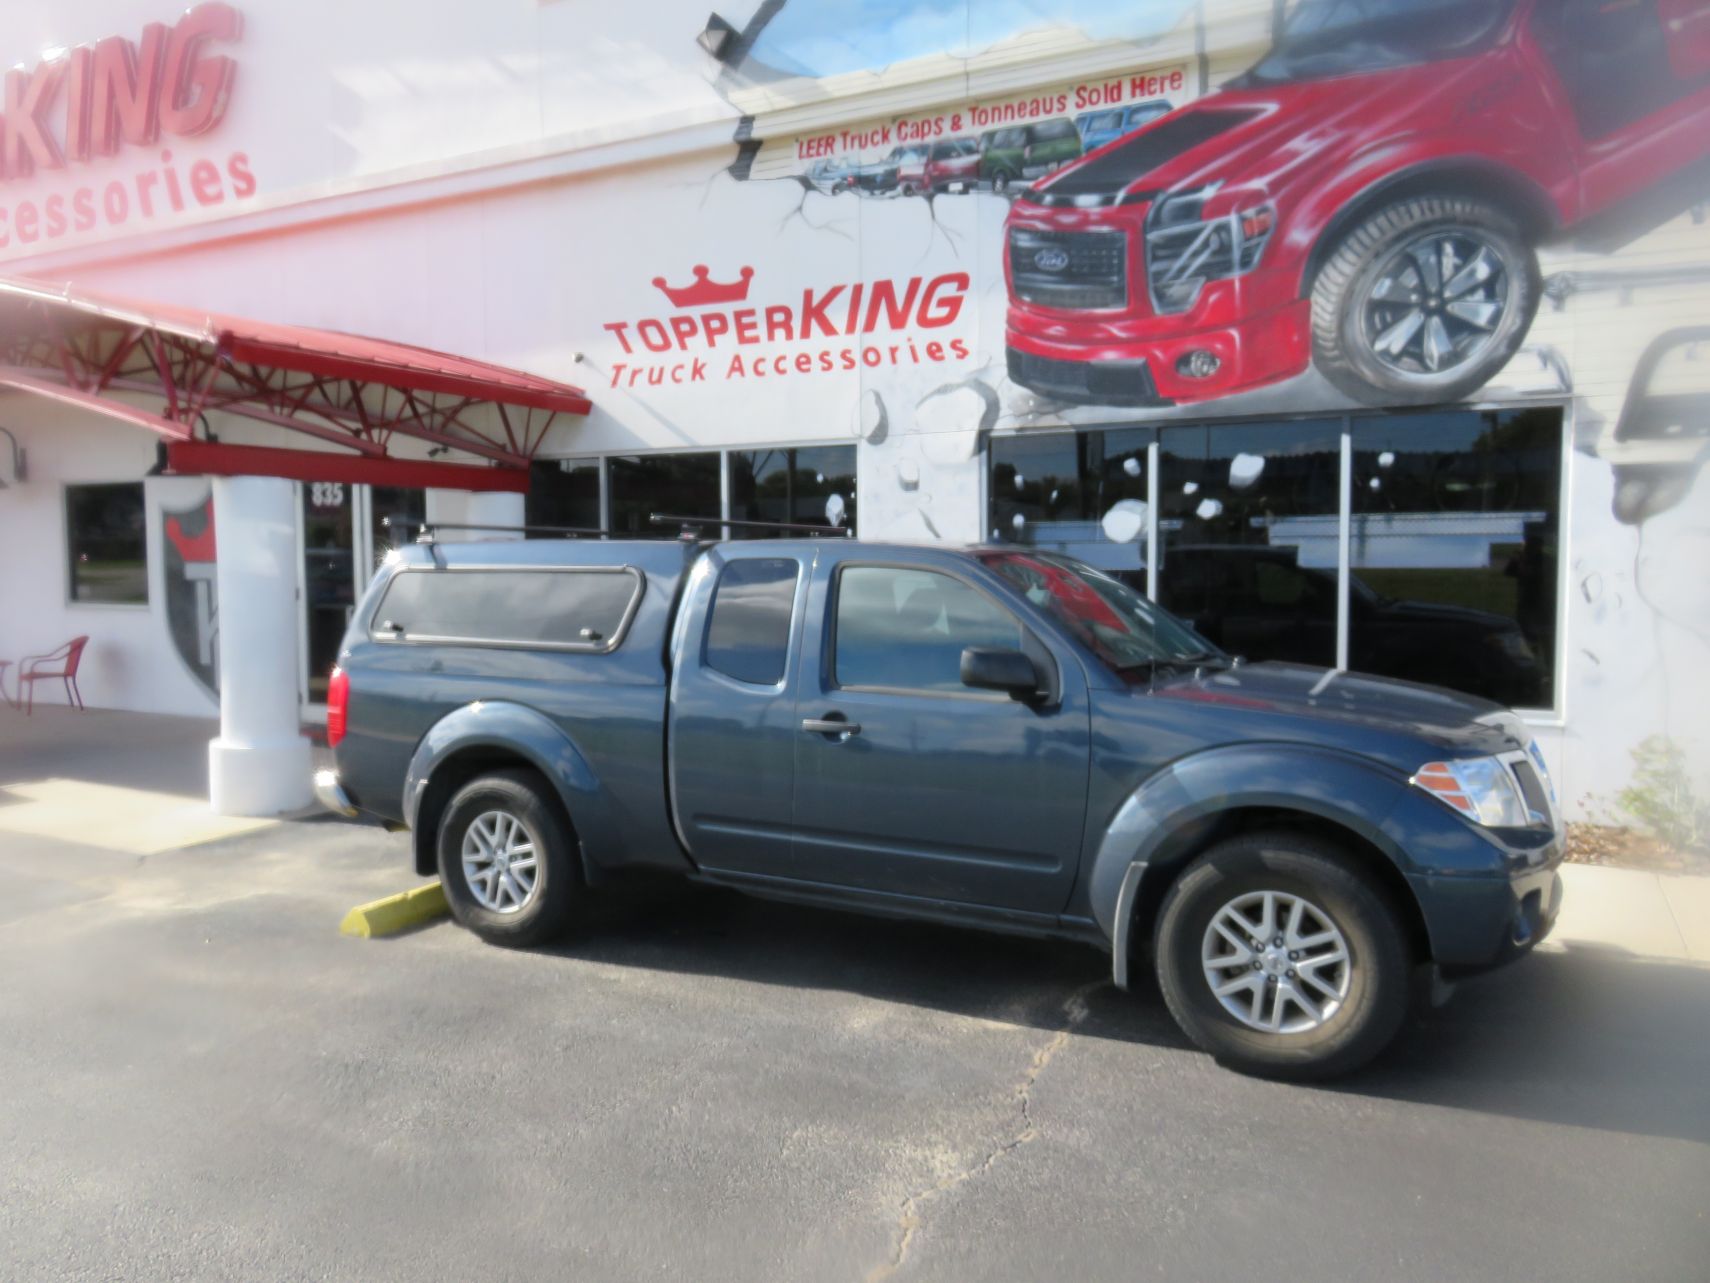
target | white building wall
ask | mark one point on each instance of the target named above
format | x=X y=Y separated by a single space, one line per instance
x=130 y=661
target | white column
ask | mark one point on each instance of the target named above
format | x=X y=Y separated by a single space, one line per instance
x=259 y=765
x=475 y=508
x=494 y=508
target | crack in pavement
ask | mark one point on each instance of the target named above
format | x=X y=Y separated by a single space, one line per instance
x=909 y=1218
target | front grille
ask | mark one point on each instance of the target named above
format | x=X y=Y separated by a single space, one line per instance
x=1092 y=382
x=1532 y=790
x=1073 y=270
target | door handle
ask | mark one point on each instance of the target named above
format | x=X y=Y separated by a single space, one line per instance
x=830 y=726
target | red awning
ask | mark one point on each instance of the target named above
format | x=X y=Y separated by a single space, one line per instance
x=342 y=389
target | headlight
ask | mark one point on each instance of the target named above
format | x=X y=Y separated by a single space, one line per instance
x=1480 y=788
x=1184 y=249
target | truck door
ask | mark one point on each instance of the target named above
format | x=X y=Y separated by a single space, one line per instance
x=732 y=730
x=911 y=783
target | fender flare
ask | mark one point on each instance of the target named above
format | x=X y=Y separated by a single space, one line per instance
x=1161 y=818
x=527 y=733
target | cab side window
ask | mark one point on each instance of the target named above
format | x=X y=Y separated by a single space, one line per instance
x=748 y=631
x=904 y=629
x=1614 y=60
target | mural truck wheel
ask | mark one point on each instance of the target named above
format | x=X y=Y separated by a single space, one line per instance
x=1423 y=301
x=1000 y=182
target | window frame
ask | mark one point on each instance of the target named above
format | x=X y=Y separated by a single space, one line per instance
x=604 y=647
x=69 y=583
x=602 y=462
x=790 y=634
x=828 y=660
x=1345 y=421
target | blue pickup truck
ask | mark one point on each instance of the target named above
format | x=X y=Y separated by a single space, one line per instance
x=992 y=737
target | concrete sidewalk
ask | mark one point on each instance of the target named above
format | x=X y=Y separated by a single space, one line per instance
x=1651 y=915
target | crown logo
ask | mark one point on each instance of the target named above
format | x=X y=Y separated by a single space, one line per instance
x=703 y=291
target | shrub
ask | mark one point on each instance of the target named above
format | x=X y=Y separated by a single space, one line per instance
x=1661 y=798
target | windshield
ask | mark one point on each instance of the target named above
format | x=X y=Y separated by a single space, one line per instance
x=1121 y=627
x=1322 y=38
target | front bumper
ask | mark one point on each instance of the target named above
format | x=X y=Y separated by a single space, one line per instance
x=1087 y=359
x=1477 y=924
x=330 y=794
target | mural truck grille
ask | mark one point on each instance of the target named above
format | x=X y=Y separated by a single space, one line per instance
x=1069 y=269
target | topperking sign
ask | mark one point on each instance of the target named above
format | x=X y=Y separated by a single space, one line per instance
x=83 y=106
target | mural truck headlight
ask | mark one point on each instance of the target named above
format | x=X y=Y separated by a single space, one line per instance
x=1184 y=249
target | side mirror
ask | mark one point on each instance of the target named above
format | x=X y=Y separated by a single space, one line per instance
x=995 y=668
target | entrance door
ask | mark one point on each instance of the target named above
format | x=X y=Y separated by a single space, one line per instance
x=344 y=537
x=329 y=579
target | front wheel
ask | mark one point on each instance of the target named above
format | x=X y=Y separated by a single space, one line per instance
x=507 y=860
x=1000 y=182
x=1280 y=958
x=1424 y=301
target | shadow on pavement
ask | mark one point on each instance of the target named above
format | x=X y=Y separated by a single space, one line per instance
x=1586 y=1038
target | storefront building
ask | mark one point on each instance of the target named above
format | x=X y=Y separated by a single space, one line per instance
x=1366 y=335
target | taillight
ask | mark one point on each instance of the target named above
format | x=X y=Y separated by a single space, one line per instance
x=338 y=701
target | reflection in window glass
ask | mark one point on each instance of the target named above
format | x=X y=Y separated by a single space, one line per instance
x=1248 y=522
x=1082 y=494
x=682 y=485
x=404 y=507
x=563 y=492
x=906 y=629
x=748 y=636
x=107 y=546
x=814 y=485
x=1454 y=547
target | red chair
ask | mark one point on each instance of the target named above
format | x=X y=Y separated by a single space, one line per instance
x=62 y=664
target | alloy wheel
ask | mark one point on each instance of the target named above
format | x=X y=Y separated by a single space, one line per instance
x=1277 y=962
x=1436 y=303
x=500 y=862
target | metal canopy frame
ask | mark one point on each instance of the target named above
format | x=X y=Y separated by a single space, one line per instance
x=341 y=390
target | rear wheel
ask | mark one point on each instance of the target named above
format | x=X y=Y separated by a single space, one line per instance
x=1280 y=958
x=1000 y=182
x=507 y=860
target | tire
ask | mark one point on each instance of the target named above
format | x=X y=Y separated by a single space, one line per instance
x=1000 y=182
x=1378 y=256
x=1375 y=982
x=488 y=906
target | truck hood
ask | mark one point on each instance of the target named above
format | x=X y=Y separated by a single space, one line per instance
x=1259 y=136
x=1399 y=723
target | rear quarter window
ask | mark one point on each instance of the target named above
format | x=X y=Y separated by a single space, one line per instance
x=748 y=635
x=585 y=608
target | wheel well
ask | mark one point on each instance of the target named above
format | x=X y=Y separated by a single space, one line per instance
x=451 y=775
x=1179 y=851
x=1515 y=194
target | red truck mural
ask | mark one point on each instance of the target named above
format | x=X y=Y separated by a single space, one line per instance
x=1367 y=199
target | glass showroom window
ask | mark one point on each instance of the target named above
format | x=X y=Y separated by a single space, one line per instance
x=1454 y=546
x=683 y=485
x=1079 y=493
x=564 y=492
x=107 y=544
x=1454 y=519
x=815 y=485
x=1248 y=522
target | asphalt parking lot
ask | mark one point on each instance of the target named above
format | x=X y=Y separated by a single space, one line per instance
x=204 y=1080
